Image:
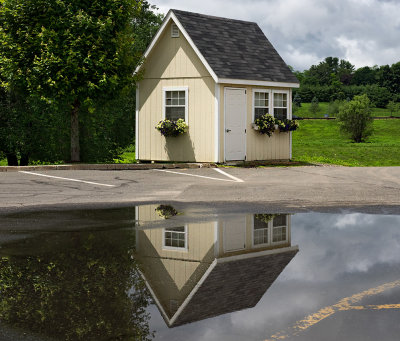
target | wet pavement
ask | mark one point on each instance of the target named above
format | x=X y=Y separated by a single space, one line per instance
x=173 y=273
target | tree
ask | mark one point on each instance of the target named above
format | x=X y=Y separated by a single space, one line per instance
x=75 y=286
x=72 y=52
x=314 y=107
x=297 y=100
x=393 y=107
x=355 y=118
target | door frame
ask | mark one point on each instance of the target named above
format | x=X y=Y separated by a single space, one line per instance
x=245 y=122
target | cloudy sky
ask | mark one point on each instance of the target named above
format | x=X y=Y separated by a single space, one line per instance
x=364 y=32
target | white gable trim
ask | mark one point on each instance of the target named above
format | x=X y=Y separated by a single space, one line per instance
x=260 y=83
x=171 y=16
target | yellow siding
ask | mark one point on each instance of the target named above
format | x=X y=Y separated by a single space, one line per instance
x=173 y=62
x=258 y=147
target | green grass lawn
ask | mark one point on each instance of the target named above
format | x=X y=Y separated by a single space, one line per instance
x=321 y=142
x=303 y=111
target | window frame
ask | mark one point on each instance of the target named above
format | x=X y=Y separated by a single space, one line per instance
x=268 y=228
x=288 y=103
x=268 y=91
x=175 y=88
x=280 y=226
x=271 y=106
x=175 y=248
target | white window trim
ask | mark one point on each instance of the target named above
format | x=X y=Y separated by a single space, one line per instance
x=288 y=107
x=175 y=248
x=254 y=90
x=252 y=235
x=177 y=88
x=275 y=227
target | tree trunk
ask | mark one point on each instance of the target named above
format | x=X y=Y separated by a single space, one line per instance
x=75 y=148
x=24 y=159
x=12 y=159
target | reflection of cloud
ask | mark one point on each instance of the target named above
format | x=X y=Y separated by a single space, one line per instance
x=364 y=32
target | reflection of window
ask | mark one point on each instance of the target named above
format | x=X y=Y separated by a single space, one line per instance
x=175 y=237
x=260 y=232
x=175 y=103
x=279 y=228
x=280 y=105
x=261 y=103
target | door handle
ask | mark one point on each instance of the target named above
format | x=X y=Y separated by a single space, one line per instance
x=228 y=130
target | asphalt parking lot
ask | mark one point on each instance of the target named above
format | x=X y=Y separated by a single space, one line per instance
x=291 y=187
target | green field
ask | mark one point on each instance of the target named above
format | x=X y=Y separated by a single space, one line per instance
x=320 y=141
x=304 y=111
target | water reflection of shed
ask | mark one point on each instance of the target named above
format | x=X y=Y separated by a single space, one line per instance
x=200 y=270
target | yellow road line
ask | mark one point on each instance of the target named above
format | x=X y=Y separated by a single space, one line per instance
x=344 y=304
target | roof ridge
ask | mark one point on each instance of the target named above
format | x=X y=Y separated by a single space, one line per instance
x=214 y=16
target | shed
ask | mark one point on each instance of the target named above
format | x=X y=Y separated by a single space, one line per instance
x=218 y=75
x=199 y=269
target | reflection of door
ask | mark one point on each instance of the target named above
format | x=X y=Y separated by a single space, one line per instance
x=235 y=124
x=235 y=234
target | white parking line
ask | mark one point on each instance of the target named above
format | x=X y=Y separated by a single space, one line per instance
x=203 y=176
x=58 y=177
x=228 y=175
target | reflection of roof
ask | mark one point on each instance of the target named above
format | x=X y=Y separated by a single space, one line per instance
x=235 y=49
x=232 y=284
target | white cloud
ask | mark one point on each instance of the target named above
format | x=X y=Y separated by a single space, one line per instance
x=305 y=32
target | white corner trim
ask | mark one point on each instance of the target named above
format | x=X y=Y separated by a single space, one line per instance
x=176 y=88
x=216 y=123
x=260 y=83
x=137 y=123
x=171 y=16
x=189 y=297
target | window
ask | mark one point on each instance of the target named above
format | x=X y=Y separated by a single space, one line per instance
x=175 y=238
x=260 y=233
x=175 y=103
x=174 y=31
x=280 y=105
x=261 y=103
x=279 y=228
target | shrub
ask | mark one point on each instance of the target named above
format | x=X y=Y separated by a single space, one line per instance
x=355 y=118
x=333 y=108
x=393 y=107
x=169 y=128
x=314 y=107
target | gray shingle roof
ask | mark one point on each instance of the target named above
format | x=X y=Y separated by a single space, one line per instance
x=233 y=286
x=235 y=49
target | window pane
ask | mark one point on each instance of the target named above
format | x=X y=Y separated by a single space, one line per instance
x=279 y=234
x=258 y=112
x=168 y=94
x=280 y=113
x=280 y=220
x=175 y=94
x=174 y=113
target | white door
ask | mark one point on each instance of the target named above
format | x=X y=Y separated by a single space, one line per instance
x=235 y=234
x=235 y=124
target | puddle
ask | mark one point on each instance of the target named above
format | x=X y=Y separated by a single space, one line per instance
x=163 y=273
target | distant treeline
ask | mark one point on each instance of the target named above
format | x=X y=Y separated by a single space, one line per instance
x=335 y=78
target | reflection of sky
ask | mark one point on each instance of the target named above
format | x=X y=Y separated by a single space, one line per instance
x=340 y=255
